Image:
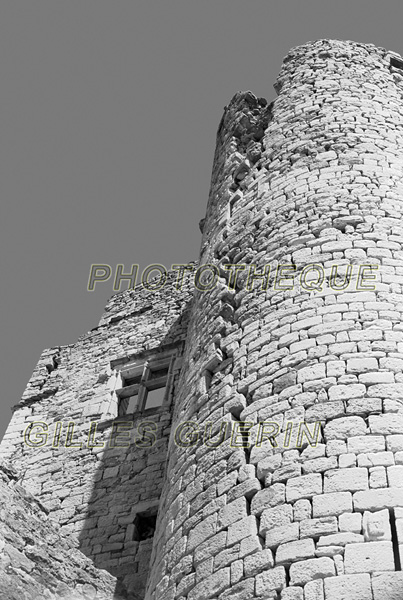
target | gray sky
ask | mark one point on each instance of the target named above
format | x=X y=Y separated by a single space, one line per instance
x=108 y=116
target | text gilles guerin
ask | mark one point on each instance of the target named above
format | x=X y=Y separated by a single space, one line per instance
x=185 y=435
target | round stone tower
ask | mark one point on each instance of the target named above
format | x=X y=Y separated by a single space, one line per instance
x=285 y=471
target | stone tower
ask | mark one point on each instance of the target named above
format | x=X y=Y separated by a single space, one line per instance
x=244 y=427
x=310 y=182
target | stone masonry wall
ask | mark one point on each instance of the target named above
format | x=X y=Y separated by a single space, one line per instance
x=313 y=178
x=94 y=492
x=36 y=561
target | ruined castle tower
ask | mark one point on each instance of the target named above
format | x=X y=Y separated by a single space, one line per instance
x=247 y=422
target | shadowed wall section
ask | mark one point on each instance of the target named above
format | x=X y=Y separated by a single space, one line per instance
x=96 y=469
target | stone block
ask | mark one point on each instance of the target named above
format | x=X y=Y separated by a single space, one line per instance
x=343 y=480
x=211 y=586
x=308 y=570
x=336 y=447
x=376 y=459
x=377 y=477
x=386 y=424
x=305 y=486
x=395 y=476
x=394 y=443
x=312 y=372
x=223 y=559
x=111 y=472
x=362 y=365
x=363 y=406
x=302 y=510
x=202 y=531
x=347 y=392
x=319 y=465
x=386 y=390
x=211 y=547
x=292 y=593
x=242 y=529
x=350 y=522
x=314 y=590
x=268 y=465
x=258 y=562
x=387 y=586
x=340 y=539
x=376 y=377
x=348 y=587
x=335 y=368
x=344 y=428
x=332 y=504
x=247 y=488
x=250 y=545
x=376 y=525
x=186 y=584
x=295 y=551
x=377 y=499
x=236 y=567
x=245 y=590
x=347 y=460
x=232 y=512
x=359 y=444
x=272 y=580
x=369 y=557
x=267 y=498
x=317 y=527
x=282 y=534
x=275 y=517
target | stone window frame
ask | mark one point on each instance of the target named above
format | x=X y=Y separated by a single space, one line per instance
x=143 y=369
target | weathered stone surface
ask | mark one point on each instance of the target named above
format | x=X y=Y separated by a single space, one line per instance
x=258 y=562
x=270 y=581
x=376 y=526
x=378 y=499
x=387 y=585
x=268 y=498
x=37 y=560
x=350 y=522
x=317 y=527
x=344 y=428
x=275 y=517
x=293 y=593
x=340 y=539
x=308 y=570
x=314 y=590
x=305 y=486
x=295 y=551
x=282 y=534
x=242 y=529
x=346 y=587
x=212 y=585
x=330 y=504
x=342 y=480
x=369 y=557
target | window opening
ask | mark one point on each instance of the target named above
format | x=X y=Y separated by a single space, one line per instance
x=144 y=526
x=144 y=385
x=155 y=397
